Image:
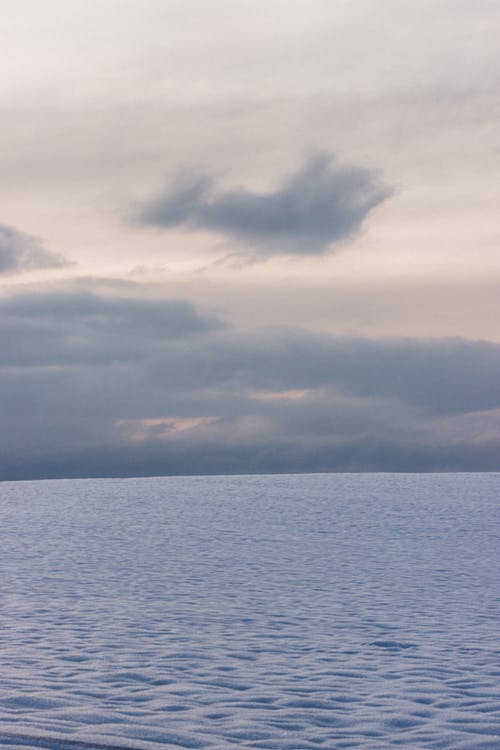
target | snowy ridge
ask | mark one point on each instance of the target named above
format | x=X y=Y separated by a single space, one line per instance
x=287 y=613
x=50 y=742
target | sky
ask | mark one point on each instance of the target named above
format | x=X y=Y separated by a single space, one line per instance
x=241 y=236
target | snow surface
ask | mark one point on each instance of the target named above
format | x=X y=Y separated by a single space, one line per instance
x=287 y=612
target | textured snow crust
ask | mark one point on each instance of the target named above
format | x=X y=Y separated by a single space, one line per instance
x=273 y=612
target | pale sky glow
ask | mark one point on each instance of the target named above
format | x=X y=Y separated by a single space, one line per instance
x=280 y=166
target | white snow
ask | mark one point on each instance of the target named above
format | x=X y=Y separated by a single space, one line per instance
x=279 y=612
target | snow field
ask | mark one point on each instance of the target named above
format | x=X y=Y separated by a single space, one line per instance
x=285 y=612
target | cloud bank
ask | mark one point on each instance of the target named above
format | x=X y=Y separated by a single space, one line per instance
x=309 y=212
x=20 y=252
x=99 y=384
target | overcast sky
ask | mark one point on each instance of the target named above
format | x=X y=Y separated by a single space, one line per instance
x=241 y=236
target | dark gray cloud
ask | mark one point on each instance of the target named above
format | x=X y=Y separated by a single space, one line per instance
x=20 y=252
x=61 y=328
x=312 y=209
x=435 y=374
x=93 y=384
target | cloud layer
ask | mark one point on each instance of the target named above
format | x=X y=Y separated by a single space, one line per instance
x=310 y=211
x=20 y=252
x=93 y=384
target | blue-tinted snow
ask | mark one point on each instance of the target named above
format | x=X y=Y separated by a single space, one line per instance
x=287 y=612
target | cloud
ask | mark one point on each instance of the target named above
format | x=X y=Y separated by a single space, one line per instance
x=20 y=252
x=94 y=384
x=441 y=376
x=61 y=328
x=309 y=212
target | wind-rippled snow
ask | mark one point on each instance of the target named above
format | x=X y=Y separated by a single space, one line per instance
x=279 y=612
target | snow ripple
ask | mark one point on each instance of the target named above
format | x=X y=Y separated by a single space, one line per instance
x=282 y=613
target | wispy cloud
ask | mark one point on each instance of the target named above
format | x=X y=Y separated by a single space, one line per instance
x=310 y=211
x=20 y=252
